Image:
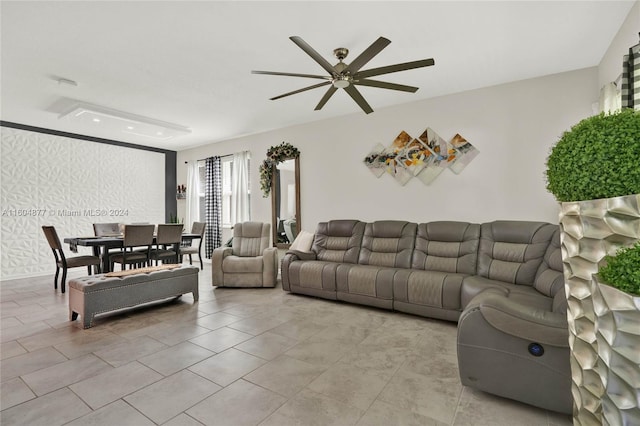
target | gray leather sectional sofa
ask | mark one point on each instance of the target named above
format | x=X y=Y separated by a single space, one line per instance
x=501 y=281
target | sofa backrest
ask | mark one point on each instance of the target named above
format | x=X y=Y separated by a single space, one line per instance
x=550 y=277
x=338 y=241
x=512 y=251
x=388 y=243
x=447 y=246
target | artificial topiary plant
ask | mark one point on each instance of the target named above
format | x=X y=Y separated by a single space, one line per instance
x=622 y=271
x=598 y=158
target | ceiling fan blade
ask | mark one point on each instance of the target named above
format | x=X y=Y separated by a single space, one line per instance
x=301 y=90
x=356 y=96
x=292 y=74
x=315 y=55
x=325 y=98
x=385 y=85
x=394 y=68
x=371 y=51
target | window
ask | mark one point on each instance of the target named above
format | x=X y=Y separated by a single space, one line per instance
x=228 y=185
x=227 y=190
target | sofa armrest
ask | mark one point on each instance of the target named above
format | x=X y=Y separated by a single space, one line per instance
x=302 y=255
x=519 y=320
x=289 y=257
x=218 y=255
x=270 y=267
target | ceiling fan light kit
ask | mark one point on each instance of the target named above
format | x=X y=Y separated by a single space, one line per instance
x=348 y=76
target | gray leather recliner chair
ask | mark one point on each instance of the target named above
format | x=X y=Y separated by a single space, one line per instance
x=250 y=262
x=513 y=341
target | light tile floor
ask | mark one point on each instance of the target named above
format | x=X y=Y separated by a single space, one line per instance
x=237 y=357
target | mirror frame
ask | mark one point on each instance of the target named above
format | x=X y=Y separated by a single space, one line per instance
x=274 y=219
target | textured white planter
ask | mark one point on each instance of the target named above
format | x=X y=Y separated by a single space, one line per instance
x=591 y=230
x=618 y=337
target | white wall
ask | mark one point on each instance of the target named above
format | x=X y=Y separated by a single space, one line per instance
x=513 y=125
x=611 y=64
x=69 y=183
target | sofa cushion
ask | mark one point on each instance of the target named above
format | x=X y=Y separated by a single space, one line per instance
x=365 y=280
x=303 y=241
x=314 y=274
x=473 y=285
x=447 y=246
x=512 y=251
x=388 y=243
x=236 y=264
x=428 y=288
x=338 y=241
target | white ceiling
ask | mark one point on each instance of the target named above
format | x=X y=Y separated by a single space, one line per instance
x=190 y=63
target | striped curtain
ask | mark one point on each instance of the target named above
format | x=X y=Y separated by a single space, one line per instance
x=213 y=205
x=631 y=78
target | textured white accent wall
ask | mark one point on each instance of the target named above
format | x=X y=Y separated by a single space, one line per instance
x=69 y=183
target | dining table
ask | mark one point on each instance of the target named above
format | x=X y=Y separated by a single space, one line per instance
x=102 y=245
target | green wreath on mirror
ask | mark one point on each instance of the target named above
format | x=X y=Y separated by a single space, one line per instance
x=275 y=155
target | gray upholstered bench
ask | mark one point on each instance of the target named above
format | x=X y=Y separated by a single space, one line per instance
x=92 y=295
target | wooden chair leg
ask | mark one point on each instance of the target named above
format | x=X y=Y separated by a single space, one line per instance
x=89 y=269
x=64 y=279
x=190 y=260
x=201 y=264
x=55 y=280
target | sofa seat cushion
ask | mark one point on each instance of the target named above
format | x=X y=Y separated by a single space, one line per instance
x=242 y=265
x=428 y=288
x=474 y=285
x=313 y=274
x=366 y=280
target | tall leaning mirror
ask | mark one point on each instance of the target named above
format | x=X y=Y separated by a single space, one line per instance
x=285 y=202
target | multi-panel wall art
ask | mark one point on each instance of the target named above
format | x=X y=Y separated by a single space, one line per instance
x=424 y=157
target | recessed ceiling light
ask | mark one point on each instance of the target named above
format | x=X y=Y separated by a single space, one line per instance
x=130 y=127
x=96 y=120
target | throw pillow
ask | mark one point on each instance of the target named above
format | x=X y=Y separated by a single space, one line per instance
x=303 y=241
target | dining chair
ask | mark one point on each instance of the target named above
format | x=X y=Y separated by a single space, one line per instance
x=168 y=241
x=187 y=248
x=134 y=236
x=106 y=229
x=64 y=263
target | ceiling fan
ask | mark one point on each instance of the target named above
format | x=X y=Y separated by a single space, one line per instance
x=348 y=76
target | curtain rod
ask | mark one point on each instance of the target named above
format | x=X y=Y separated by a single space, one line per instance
x=221 y=156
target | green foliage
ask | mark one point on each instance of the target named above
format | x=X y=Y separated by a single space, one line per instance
x=275 y=154
x=598 y=158
x=173 y=218
x=622 y=271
